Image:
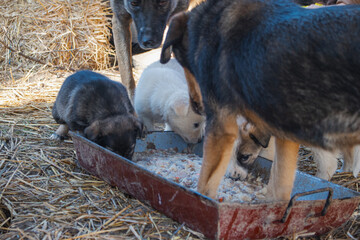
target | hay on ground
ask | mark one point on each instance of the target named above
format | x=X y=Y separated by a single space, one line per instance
x=70 y=34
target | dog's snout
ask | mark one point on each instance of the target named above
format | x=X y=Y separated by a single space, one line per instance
x=149 y=40
x=149 y=43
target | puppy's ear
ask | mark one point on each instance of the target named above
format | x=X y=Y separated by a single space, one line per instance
x=93 y=131
x=175 y=35
x=181 y=108
x=260 y=137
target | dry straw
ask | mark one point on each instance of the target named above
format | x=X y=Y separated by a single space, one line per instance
x=72 y=34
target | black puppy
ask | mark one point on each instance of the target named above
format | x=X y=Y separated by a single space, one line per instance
x=150 y=18
x=292 y=72
x=100 y=109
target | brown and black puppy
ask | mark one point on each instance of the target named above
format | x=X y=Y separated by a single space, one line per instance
x=100 y=109
x=292 y=72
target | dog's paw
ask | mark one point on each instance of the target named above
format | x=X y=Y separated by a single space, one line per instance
x=57 y=137
x=167 y=127
x=235 y=171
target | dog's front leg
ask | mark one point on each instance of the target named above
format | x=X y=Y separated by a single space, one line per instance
x=283 y=170
x=221 y=133
x=122 y=39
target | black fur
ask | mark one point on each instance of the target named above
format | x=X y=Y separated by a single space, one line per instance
x=100 y=108
x=297 y=68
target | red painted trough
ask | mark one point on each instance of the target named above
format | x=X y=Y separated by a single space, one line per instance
x=317 y=206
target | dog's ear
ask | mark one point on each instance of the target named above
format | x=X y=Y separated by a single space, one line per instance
x=181 y=107
x=175 y=35
x=260 y=137
x=93 y=131
x=194 y=93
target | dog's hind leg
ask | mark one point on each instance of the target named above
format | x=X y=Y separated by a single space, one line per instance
x=356 y=160
x=220 y=136
x=348 y=159
x=283 y=170
x=326 y=163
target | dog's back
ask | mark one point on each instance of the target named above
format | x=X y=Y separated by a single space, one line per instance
x=98 y=108
x=283 y=62
x=86 y=96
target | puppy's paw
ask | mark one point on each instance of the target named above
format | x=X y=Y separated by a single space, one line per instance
x=57 y=137
x=167 y=127
x=235 y=171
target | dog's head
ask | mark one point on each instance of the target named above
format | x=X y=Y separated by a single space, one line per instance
x=150 y=17
x=177 y=41
x=185 y=122
x=251 y=141
x=117 y=133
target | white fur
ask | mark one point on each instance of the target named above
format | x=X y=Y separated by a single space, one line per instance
x=326 y=163
x=356 y=168
x=162 y=96
x=234 y=170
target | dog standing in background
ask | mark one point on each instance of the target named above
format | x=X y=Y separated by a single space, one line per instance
x=98 y=108
x=292 y=72
x=150 y=18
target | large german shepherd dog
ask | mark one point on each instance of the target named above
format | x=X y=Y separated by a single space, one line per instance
x=292 y=72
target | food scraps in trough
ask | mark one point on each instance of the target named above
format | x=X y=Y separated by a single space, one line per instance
x=185 y=168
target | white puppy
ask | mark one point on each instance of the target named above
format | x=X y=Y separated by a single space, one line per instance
x=161 y=96
x=246 y=150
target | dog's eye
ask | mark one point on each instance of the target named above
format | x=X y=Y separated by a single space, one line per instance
x=135 y=3
x=163 y=2
x=196 y=125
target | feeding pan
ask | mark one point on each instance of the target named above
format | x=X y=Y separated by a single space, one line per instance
x=317 y=206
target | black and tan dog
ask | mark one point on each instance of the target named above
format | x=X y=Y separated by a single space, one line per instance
x=150 y=18
x=292 y=72
x=99 y=108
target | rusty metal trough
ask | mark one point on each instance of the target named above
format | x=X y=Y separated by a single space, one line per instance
x=317 y=206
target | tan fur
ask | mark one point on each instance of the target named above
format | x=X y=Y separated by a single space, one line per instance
x=348 y=159
x=283 y=170
x=194 y=3
x=194 y=90
x=218 y=144
x=62 y=130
